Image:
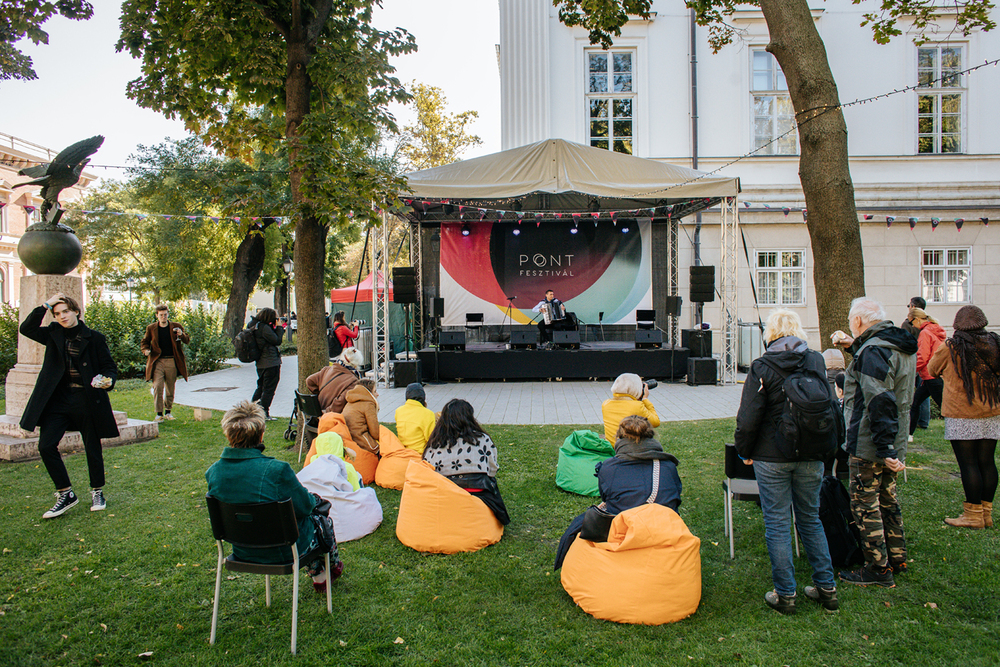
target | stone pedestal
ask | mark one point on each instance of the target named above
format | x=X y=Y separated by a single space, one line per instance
x=17 y=444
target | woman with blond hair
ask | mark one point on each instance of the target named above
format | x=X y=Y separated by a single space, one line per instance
x=783 y=479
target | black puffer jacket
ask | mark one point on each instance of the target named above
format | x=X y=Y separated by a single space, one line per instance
x=268 y=340
x=763 y=399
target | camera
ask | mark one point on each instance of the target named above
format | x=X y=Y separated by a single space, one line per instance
x=651 y=384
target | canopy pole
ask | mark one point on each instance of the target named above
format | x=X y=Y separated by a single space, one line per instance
x=730 y=227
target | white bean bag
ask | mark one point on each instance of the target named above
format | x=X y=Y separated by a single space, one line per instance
x=354 y=513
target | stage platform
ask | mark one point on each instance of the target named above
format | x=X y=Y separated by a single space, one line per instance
x=596 y=360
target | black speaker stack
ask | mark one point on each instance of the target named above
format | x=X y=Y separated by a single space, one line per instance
x=702 y=284
x=452 y=340
x=674 y=305
x=566 y=340
x=648 y=338
x=406 y=373
x=697 y=341
x=404 y=284
x=523 y=340
x=702 y=370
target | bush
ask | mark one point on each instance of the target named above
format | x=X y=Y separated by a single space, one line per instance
x=124 y=325
x=8 y=339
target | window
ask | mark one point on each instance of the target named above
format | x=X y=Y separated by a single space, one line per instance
x=945 y=274
x=611 y=100
x=781 y=277
x=773 y=115
x=939 y=100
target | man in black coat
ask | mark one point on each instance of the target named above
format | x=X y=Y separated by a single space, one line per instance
x=71 y=394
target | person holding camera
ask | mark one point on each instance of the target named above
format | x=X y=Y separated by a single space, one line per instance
x=629 y=396
x=345 y=334
x=163 y=347
x=268 y=334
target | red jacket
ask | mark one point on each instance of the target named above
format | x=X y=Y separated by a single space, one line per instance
x=345 y=335
x=930 y=339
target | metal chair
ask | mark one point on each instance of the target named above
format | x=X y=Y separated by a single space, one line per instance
x=645 y=319
x=474 y=322
x=741 y=484
x=309 y=411
x=259 y=526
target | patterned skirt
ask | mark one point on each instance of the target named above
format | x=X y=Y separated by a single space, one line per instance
x=985 y=428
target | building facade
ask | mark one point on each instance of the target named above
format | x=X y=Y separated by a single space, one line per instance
x=925 y=162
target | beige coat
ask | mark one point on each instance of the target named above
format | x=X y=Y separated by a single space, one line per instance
x=361 y=415
x=954 y=402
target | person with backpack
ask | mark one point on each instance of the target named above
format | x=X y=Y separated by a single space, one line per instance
x=267 y=334
x=788 y=424
x=343 y=333
x=878 y=392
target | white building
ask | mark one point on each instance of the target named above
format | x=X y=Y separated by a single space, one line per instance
x=933 y=153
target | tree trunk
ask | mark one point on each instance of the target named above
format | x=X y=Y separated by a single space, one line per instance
x=309 y=253
x=824 y=170
x=281 y=298
x=246 y=271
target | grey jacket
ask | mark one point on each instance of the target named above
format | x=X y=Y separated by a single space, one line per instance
x=878 y=391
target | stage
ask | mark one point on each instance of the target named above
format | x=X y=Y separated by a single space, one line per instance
x=596 y=360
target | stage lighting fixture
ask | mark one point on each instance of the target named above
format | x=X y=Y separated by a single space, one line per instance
x=516 y=231
x=466 y=230
x=574 y=230
x=625 y=229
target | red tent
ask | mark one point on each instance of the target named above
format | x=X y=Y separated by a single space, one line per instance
x=363 y=289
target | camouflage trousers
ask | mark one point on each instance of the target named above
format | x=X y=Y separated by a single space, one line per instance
x=876 y=510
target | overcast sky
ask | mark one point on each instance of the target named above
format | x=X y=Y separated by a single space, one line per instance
x=80 y=90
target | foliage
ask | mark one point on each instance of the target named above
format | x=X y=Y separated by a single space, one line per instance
x=139 y=577
x=8 y=339
x=602 y=18
x=24 y=18
x=437 y=138
x=124 y=325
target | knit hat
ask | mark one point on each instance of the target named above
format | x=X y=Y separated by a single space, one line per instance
x=969 y=318
x=834 y=358
x=628 y=383
x=415 y=392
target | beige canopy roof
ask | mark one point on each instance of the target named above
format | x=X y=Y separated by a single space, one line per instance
x=573 y=176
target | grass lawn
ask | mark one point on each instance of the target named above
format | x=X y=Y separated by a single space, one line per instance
x=100 y=589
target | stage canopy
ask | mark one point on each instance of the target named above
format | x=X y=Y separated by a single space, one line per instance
x=561 y=176
x=362 y=290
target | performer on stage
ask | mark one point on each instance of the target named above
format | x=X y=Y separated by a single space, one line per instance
x=554 y=317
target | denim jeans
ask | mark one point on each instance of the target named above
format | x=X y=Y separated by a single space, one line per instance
x=781 y=486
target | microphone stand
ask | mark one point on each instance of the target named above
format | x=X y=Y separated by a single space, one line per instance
x=509 y=319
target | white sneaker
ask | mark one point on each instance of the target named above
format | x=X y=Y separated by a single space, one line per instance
x=909 y=438
x=158 y=419
x=168 y=416
x=97 y=501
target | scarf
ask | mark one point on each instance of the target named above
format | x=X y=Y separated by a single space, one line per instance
x=647 y=449
x=976 y=355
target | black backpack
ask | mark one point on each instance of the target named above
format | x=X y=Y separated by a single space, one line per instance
x=841 y=530
x=247 y=349
x=334 y=343
x=811 y=425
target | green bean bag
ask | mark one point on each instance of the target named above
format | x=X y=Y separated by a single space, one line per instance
x=579 y=453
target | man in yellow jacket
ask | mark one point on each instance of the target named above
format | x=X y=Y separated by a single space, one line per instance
x=414 y=422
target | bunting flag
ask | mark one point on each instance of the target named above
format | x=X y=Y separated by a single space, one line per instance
x=985 y=221
x=805 y=215
x=868 y=216
x=890 y=218
x=29 y=209
x=786 y=211
x=747 y=204
x=934 y=223
x=913 y=223
x=2 y=204
x=958 y=223
x=888 y=223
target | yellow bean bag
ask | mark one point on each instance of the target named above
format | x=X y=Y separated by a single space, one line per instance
x=648 y=572
x=437 y=515
x=391 y=471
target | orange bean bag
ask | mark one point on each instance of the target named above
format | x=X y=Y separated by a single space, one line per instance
x=391 y=471
x=365 y=462
x=648 y=572
x=437 y=515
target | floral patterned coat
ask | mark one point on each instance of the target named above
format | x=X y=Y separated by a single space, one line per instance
x=465 y=458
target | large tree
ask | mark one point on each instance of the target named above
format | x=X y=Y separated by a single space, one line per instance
x=319 y=63
x=24 y=18
x=838 y=271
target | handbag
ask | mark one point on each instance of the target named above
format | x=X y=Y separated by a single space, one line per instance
x=597 y=520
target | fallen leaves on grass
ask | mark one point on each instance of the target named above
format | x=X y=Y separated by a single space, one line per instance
x=931 y=605
x=398 y=640
x=145 y=656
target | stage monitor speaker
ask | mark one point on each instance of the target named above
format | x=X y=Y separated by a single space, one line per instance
x=452 y=340
x=674 y=305
x=437 y=307
x=697 y=341
x=702 y=370
x=406 y=373
x=404 y=284
x=566 y=340
x=648 y=338
x=523 y=340
x=702 y=284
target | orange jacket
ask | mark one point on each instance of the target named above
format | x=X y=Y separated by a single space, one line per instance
x=930 y=339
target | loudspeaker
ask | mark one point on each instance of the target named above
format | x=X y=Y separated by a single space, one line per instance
x=702 y=284
x=436 y=307
x=648 y=338
x=523 y=340
x=566 y=340
x=674 y=305
x=702 y=370
x=404 y=284
x=452 y=340
x=697 y=341
x=406 y=372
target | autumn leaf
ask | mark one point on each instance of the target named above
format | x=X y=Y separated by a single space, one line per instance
x=398 y=640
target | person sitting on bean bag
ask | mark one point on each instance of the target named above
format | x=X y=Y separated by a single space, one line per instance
x=361 y=415
x=331 y=383
x=461 y=450
x=414 y=422
x=626 y=481
x=630 y=396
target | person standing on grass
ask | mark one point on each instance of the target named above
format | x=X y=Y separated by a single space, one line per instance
x=785 y=480
x=268 y=334
x=878 y=391
x=163 y=346
x=917 y=303
x=929 y=336
x=71 y=394
x=969 y=363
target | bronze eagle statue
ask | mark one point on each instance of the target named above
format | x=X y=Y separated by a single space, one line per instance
x=54 y=177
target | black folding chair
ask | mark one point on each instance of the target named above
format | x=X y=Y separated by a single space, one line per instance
x=309 y=411
x=259 y=526
x=741 y=484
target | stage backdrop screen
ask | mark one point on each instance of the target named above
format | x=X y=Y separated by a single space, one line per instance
x=600 y=268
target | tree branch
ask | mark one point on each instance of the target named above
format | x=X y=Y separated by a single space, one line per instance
x=268 y=13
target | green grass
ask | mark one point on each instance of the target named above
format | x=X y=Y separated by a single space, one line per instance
x=89 y=589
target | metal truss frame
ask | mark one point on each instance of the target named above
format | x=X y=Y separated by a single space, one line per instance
x=729 y=232
x=380 y=303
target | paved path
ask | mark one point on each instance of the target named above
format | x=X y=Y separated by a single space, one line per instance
x=576 y=402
